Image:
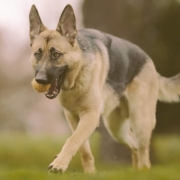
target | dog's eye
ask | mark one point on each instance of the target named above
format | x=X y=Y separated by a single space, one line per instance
x=37 y=55
x=56 y=55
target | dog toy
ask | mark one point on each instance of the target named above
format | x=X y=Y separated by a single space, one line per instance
x=40 y=87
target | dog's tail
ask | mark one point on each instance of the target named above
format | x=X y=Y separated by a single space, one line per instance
x=169 y=88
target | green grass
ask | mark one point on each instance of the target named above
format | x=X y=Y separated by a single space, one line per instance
x=170 y=172
x=26 y=158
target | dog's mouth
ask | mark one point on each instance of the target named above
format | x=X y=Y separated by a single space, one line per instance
x=57 y=83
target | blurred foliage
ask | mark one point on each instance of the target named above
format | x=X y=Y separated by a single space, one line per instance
x=154 y=26
x=167 y=149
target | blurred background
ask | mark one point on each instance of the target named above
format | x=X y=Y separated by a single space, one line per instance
x=151 y=24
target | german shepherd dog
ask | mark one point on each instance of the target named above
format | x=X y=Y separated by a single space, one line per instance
x=98 y=75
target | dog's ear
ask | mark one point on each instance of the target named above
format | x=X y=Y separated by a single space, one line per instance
x=36 y=25
x=67 y=24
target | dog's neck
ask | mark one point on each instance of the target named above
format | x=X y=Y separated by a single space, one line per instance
x=71 y=76
x=78 y=77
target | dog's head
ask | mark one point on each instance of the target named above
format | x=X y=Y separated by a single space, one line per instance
x=54 y=52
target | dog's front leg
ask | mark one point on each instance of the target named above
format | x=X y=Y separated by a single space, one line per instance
x=89 y=120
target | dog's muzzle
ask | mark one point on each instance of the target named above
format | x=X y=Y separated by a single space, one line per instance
x=57 y=82
x=41 y=77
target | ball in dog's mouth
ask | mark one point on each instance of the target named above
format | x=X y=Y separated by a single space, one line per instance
x=56 y=84
x=40 y=87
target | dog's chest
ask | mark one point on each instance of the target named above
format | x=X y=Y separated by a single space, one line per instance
x=74 y=99
x=71 y=100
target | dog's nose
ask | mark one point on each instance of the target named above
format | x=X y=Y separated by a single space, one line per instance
x=41 y=78
x=41 y=81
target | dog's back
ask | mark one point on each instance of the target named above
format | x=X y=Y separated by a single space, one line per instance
x=125 y=58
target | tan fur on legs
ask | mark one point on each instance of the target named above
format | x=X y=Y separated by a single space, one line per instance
x=142 y=95
x=134 y=156
x=87 y=158
x=118 y=125
x=87 y=124
x=133 y=120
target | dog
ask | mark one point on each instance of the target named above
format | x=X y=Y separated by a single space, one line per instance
x=95 y=75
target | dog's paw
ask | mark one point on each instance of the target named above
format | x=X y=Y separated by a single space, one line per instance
x=54 y=170
x=57 y=166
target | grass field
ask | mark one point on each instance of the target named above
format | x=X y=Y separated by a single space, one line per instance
x=24 y=157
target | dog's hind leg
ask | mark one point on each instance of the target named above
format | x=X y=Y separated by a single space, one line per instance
x=142 y=95
x=118 y=125
x=133 y=120
x=87 y=158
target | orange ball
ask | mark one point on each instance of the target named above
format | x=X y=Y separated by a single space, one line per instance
x=40 y=87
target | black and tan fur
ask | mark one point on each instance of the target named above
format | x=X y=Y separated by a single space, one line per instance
x=107 y=76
